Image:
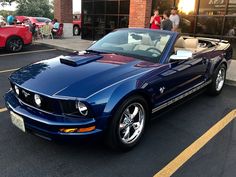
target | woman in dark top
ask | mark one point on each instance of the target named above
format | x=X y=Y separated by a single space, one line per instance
x=166 y=23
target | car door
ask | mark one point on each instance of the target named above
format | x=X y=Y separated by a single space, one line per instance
x=180 y=77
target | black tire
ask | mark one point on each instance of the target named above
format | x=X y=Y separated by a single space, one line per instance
x=76 y=30
x=14 y=44
x=113 y=135
x=214 y=88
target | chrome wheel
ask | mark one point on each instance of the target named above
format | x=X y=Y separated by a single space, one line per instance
x=76 y=31
x=220 y=79
x=15 y=45
x=131 y=123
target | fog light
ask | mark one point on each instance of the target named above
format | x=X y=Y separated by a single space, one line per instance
x=37 y=100
x=17 y=90
x=82 y=108
x=77 y=130
x=69 y=130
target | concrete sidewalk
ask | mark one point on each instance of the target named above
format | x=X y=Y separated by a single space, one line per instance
x=78 y=44
x=68 y=44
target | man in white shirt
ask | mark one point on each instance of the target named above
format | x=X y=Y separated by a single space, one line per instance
x=174 y=17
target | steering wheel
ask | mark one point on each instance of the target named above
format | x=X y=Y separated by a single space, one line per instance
x=154 y=48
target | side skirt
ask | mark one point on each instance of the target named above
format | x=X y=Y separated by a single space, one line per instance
x=181 y=96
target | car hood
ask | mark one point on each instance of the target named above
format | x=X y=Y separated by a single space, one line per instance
x=87 y=75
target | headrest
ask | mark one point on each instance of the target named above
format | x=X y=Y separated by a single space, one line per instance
x=191 y=43
x=146 y=40
x=164 y=40
x=180 y=43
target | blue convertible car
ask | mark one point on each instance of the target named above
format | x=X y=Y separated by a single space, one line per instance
x=115 y=86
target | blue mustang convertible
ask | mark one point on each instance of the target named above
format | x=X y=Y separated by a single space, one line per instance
x=115 y=86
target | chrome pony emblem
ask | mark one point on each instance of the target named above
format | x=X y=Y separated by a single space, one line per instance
x=162 y=89
x=25 y=93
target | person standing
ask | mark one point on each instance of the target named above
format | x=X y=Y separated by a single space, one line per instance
x=10 y=19
x=155 y=20
x=56 y=25
x=174 y=17
x=2 y=21
x=167 y=23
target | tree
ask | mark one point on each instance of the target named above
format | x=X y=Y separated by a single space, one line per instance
x=5 y=2
x=34 y=8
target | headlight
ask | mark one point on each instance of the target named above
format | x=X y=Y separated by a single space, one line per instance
x=82 y=108
x=37 y=100
x=17 y=90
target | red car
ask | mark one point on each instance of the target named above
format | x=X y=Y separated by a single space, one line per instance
x=39 y=21
x=13 y=38
x=76 y=24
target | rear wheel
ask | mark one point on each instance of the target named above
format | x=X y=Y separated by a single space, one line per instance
x=218 y=81
x=14 y=44
x=127 y=125
x=76 y=30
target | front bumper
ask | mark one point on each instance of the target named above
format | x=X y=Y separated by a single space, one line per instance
x=48 y=125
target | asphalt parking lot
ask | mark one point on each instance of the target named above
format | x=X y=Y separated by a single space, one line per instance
x=24 y=155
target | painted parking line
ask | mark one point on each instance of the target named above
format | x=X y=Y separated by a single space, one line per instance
x=8 y=70
x=29 y=52
x=3 y=110
x=184 y=156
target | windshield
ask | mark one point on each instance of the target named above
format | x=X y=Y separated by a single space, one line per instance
x=41 y=19
x=143 y=44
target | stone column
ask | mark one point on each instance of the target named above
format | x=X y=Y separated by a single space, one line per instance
x=64 y=14
x=140 y=13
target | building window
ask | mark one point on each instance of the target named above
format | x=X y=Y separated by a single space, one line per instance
x=162 y=5
x=209 y=25
x=187 y=7
x=212 y=7
x=100 y=17
x=232 y=7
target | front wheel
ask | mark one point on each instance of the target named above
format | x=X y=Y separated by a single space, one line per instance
x=218 y=81
x=76 y=30
x=127 y=125
x=14 y=44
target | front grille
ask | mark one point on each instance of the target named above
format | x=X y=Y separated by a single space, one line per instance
x=68 y=107
x=48 y=104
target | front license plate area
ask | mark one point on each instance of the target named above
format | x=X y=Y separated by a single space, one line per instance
x=18 y=121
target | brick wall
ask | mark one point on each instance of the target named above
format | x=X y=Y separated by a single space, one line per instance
x=140 y=12
x=63 y=11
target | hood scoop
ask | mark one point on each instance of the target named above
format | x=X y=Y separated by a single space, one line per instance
x=79 y=60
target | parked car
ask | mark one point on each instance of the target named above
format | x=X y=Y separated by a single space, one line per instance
x=76 y=24
x=14 y=38
x=115 y=86
x=39 y=21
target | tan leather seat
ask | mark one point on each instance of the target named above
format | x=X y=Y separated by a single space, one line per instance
x=163 y=41
x=180 y=43
x=191 y=44
x=146 y=43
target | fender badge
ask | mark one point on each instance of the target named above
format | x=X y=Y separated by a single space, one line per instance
x=25 y=93
x=162 y=89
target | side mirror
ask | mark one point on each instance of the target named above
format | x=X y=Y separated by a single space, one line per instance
x=176 y=57
x=182 y=55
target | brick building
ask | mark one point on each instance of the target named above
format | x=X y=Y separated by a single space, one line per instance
x=208 y=18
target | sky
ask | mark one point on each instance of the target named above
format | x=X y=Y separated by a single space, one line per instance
x=76 y=6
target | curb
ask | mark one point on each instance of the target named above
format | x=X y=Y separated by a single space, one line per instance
x=55 y=47
x=230 y=82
